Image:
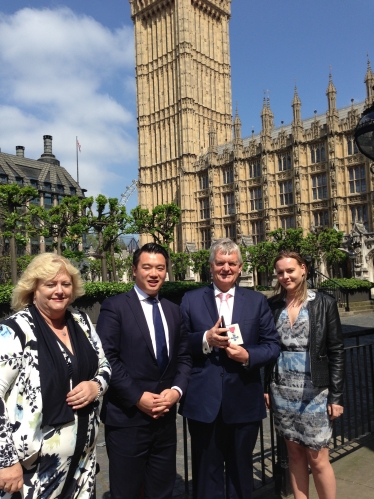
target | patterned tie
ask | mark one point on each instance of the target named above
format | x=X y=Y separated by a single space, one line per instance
x=224 y=307
x=161 y=348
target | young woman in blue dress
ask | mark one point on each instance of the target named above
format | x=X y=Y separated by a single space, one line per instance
x=305 y=386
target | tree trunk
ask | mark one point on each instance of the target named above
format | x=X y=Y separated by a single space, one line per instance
x=59 y=244
x=104 y=269
x=13 y=259
x=114 y=270
x=170 y=269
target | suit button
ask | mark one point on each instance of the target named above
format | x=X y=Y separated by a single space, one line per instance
x=222 y=375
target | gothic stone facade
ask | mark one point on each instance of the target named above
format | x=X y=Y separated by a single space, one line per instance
x=308 y=174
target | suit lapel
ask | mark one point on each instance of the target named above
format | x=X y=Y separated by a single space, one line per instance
x=211 y=303
x=134 y=304
x=238 y=305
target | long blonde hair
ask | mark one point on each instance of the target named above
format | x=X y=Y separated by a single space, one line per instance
x=301 y=292
x=44 y=266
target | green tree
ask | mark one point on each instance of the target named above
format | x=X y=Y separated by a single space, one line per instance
x=160 y=224
x=110 y=221
x=15 y=219
x=200 y=264
x=261 y=258
x=65 y=223
x=180 y=262
x=329 y=242
x=290 y=239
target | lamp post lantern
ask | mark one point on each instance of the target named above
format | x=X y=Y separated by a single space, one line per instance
x=364 y=133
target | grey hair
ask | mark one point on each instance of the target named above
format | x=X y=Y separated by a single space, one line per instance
x=225 y=246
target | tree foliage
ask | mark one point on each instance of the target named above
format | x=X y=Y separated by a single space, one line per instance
x=322 y=247
x=65 y=223
x=159 y=223
x=110 y=221
x=15 y=219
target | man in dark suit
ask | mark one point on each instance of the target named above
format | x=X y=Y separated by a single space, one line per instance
x=224 y=402
x=146 y=343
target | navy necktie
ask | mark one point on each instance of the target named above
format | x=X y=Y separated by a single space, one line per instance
x=161 y=348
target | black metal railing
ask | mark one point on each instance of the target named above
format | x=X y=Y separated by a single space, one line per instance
x=270 y=456
x=341 y=295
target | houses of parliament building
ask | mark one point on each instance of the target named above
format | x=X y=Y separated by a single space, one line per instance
x=308 y=174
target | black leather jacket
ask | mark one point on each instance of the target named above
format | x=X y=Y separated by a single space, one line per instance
x=327 y=357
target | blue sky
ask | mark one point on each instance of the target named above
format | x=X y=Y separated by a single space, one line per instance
x=67 y=69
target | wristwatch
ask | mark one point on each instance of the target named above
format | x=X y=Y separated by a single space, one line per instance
x=246 y=363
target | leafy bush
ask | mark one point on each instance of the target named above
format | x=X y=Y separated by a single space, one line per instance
x=6 y=293
x=348 y=284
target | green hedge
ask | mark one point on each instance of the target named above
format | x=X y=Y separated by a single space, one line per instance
x=348 y=284
x=173 y=291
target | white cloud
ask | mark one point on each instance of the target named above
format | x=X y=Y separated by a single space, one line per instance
x=64 y=74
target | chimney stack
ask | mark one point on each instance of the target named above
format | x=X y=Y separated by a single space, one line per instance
x=47 y=156
x=20 y=151
x=48 y=144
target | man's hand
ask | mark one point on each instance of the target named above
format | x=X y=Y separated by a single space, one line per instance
x=171 y=396
x=11 y=478
x=158 y=405
x=213 y=336
x=237 y=353
x=153 y=404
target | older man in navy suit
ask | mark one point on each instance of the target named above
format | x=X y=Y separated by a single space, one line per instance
x=224 y=402
x=146 y=343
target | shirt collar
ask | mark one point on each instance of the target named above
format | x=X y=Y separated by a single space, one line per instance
x=217 y=291
x=143 y=296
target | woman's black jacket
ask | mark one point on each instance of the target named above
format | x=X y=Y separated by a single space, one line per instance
x=327 y=357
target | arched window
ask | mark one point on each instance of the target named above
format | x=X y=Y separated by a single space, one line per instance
x=313 y=156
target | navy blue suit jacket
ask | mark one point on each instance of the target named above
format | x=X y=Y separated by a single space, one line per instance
x=127 y=344
x=217 y=381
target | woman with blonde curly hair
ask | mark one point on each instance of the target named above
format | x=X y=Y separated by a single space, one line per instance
x=306 y=383
x=52 y=372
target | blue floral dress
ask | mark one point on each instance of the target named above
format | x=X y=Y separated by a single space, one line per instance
x=300 y=409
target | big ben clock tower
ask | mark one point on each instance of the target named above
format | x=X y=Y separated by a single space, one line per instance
x=183 y=84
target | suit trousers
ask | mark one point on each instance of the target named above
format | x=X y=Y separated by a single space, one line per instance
x=218 y=447
x=142 y=457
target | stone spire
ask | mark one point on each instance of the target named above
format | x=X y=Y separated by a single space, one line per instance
x=267 y=119
x=331 y=94
x=238 y=142
x=369 y=81
x=212 y=137
x=237 y=126
x=213 y=145
x=267 y=116
x=332 y=113
x=296 y=106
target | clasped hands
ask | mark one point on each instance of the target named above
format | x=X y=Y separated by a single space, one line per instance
x=215 y=339
x=157 y=405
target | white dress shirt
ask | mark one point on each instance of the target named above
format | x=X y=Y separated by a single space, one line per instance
x=147 y=307
x=227 y=311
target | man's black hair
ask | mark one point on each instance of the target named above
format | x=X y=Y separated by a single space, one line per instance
x=149 y=248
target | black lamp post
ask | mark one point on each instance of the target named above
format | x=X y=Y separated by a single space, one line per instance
x=364 y=133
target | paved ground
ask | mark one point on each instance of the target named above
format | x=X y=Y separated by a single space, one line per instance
x=353 y=465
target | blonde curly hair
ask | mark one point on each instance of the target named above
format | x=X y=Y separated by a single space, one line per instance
x=42 y=267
